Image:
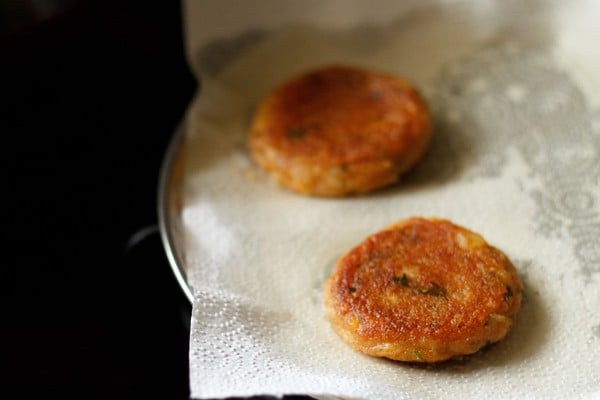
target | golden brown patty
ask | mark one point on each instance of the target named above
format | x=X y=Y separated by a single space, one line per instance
x=422 y=290
x=340 y=130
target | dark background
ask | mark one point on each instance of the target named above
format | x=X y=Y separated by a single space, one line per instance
x=90 y=95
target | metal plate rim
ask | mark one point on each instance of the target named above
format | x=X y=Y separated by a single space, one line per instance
x=169 y=209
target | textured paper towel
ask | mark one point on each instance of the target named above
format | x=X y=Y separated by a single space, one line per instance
x=515 y=157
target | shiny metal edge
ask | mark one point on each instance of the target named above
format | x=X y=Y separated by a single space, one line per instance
x=169 y=208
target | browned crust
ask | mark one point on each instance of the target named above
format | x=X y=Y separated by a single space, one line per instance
x=423 y=290
x=340 y=130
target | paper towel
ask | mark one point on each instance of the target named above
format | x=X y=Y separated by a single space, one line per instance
x=515 y=157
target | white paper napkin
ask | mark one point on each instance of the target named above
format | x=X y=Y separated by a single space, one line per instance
x=515 y=92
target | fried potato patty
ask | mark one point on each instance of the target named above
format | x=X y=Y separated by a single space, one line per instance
x=340 y=130
x=422 y=290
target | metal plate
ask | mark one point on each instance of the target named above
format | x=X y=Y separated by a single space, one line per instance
x=169 y=208
x=553 y=135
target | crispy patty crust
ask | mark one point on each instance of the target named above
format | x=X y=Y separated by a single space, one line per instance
x=422 y=290
x=340 y=130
